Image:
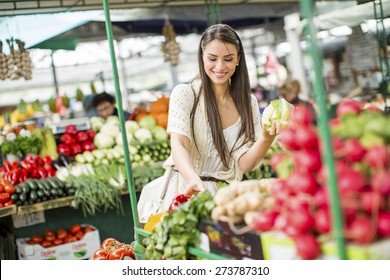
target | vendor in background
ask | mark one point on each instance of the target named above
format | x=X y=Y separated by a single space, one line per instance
x=104 y=105
x=290 y=91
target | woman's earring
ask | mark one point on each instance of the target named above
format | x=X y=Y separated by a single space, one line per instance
x=237 y=64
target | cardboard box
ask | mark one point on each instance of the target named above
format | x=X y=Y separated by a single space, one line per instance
x=218 y=238
x=80 y=250
x=278 y=246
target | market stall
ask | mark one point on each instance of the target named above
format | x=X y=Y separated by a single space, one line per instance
x=326 y=195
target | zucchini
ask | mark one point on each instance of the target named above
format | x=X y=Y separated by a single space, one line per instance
x=23 y=197
x=54 y=192
x=32 y=184
x=33 y=196
x=40 y=193
x=14 y=197
x=19 y=188
x=26 y=188
x=52 y=183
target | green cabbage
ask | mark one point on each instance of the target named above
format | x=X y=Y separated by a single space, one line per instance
x=277 y=111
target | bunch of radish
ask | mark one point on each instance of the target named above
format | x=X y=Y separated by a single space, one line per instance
x=302 y=207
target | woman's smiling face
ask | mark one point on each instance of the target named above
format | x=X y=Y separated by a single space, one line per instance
x=220 y=61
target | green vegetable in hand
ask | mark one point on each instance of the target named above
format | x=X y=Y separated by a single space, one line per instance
x=277 y=111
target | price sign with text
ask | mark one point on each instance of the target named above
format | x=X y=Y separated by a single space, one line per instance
x=29 y=219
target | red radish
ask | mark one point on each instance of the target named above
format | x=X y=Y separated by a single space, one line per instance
x=307 y=246
x=353 y=150
x=265 y=221
x=334 y=122
x=71 y=129
x=63 y=149
x=276 y=159
x=301 y=115
x=348 y=107
x=371 y=201
x=384 y=224
x=349 y=215
x=281 y=222
x=279 y=190
x=306 y=138
x=322 y=222
x=380 y=181
x=301 y=220
x=322 y=175
x=307 y=160
x=287 y=138
x=301 y=182
x=351 y=181
x=337 y=145
x=321 y=197
x=91 y=134
x=378 y=156
x=361 y=231
x=291 y=231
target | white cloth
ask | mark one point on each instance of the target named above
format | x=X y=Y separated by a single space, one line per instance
x=206 y=162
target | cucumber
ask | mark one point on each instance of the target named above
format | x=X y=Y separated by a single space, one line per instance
x=23 y=197
x=40 y=193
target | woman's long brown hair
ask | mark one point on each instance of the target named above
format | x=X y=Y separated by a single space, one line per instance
x=239 y=91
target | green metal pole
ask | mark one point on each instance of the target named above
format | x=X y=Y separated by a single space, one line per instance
x=307 y=11
x=212 y=12
x=130 y=180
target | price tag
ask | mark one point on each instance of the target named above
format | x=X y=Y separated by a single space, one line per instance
x=29 y=219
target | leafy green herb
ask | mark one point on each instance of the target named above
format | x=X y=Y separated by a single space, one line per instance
x=179 y=230
x=22 y=145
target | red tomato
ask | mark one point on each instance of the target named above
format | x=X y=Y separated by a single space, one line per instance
x=75 y=229
x=8 y=203
x=101 y=254
x=1 y=205
x=57 y=241
x=117 y=254
x=8 y=187
x=109 y=242
x=79 y=235
x=129 y=251
x=1 y=188
x=50 y=237
x=70 y=238
x=46 y=244
x=36 y=238
x=61 y=233
x=50 y=232
x=88 y=229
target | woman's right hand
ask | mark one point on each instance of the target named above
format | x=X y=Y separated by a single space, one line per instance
x=195 y=187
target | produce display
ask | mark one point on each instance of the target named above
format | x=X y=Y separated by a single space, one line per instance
x=74 y=142
x=112 y=249
x=301 y=208
x=62 y=236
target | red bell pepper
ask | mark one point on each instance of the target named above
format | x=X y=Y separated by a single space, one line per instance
x=7 y=166
x=15 y=165
x=179 y=199
x=4 y=197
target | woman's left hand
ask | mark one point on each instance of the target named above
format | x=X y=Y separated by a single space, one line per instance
x=275 y=129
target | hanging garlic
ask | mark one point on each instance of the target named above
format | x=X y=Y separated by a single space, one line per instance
x=3 y=63
x=26 y=65
x=170 y=48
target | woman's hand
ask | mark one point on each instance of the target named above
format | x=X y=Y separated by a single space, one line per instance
x=195 y=187
x=275 y=129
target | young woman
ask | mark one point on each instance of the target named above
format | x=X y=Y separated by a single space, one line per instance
x=214 y=124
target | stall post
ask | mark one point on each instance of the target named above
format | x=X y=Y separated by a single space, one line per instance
x=138 y=248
